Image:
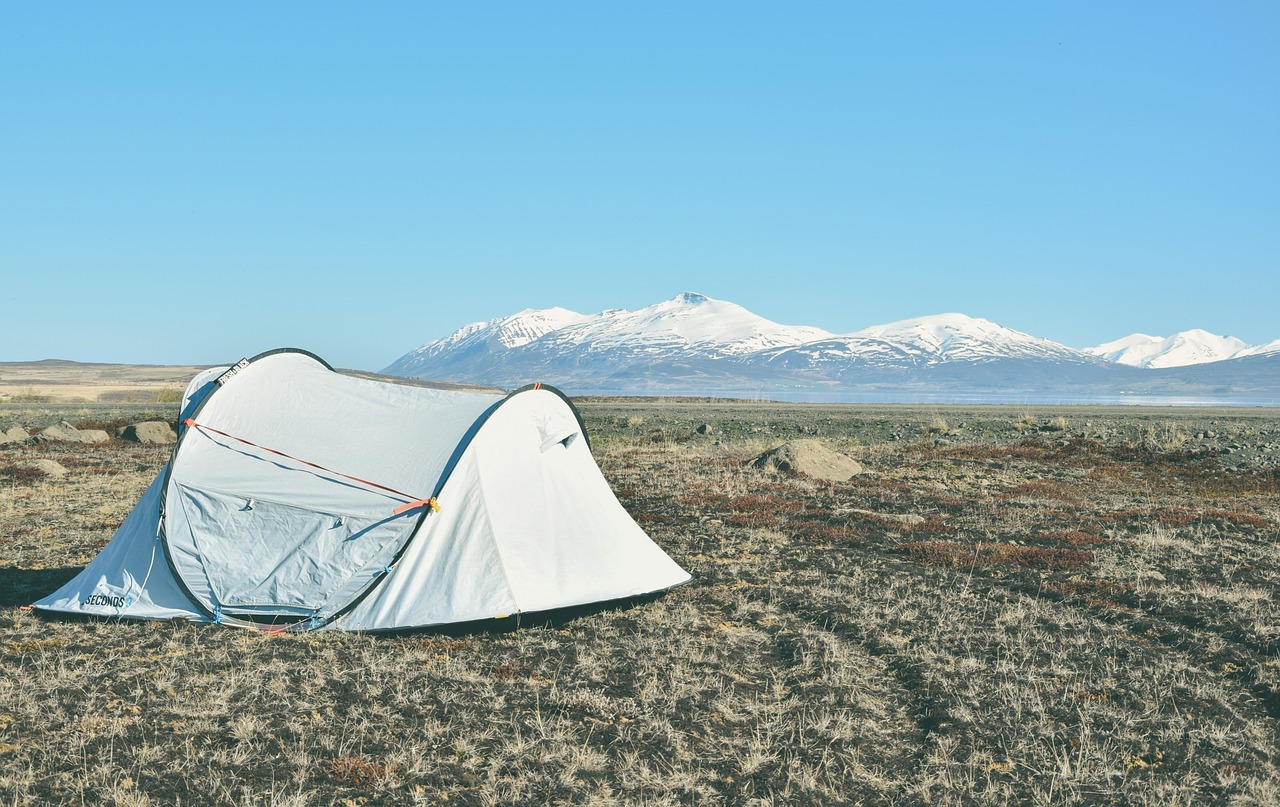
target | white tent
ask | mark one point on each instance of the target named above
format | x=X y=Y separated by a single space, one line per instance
x=298 y=497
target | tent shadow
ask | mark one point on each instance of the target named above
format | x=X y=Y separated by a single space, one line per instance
x=554 y=618
x=20 y=586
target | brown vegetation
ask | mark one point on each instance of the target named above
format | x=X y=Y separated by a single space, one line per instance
x=1062 y=613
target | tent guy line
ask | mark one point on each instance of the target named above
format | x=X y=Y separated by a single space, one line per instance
x=412 y=502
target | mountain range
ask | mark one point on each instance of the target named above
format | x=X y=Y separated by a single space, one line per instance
x=693 y=344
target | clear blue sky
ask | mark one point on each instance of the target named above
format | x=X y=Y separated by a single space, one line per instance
x=194 y=182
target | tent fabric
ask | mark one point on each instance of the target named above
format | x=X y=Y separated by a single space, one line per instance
x=289 y=501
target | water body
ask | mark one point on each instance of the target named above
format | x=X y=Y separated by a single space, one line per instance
x=912 y=397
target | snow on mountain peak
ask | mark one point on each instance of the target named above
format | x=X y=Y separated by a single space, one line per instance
x=692 y=334
x=691 y=297
x=1195 y=346
x=689 y=321
x=959 y=336
x=508 y=332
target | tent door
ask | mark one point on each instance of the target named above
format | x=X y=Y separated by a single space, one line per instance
x=269 y=556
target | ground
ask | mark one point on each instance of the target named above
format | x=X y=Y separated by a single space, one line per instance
x=1009 y=606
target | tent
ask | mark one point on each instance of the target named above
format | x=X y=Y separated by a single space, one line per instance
x=300 y=498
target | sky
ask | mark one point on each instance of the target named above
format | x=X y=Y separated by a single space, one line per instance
x=196 y=182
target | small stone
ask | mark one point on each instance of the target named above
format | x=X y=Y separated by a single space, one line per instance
x=705 y=428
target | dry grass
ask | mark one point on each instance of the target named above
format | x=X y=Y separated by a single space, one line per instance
x=1050 y=619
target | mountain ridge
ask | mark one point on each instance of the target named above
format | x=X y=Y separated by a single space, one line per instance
x=694 y=342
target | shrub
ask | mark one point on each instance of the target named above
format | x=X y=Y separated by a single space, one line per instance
x=936 y=426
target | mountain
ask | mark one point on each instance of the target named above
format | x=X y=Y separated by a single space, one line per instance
x=688 y=324
x=690 y=329
x=1181 y=349
x=474 y=343
x=925 y=341
x=693 y=344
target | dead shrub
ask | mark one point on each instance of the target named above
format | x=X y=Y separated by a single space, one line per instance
x=1073 y=537
x=1041 y=489
x=936 y=553
x=948 y=553
x=108 y=426
x=21 y=474
x=1039 y=557
x=1183 y=516
x=357 y=771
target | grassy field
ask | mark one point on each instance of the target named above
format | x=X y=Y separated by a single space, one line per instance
x=62 y=382
x=1010 y=606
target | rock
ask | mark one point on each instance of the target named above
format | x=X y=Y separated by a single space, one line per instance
x=152 y=431
x=66 y=433
x=46 y=467
x=15 y=434
x=705 y=428
x=810 y=458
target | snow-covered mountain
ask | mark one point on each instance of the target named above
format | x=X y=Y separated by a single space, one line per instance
x=924 y=341
x=1258 y=350
x=689 y=323
x=689 y=327
x=1182 y=349
x=694 y=343
x=492 y=335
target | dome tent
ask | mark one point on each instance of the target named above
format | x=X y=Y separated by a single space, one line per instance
x=299 y=498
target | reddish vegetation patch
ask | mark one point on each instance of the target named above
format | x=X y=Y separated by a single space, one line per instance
x=949 y=553
x=356 y=771
x=937 y=553
x=830 y=533
x=1237 y=517
x=657 y=519
x=1041 y=489
x=1228 y=486
x=1025 y=450
x=1182 y=516
x=506 y=672
x=1073 y=537
x=872 y=486
x=1040 y=557
x=1094 y=591
x=108 y=426
x=1090 y=586
x=20 y=474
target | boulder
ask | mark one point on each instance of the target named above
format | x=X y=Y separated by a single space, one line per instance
x=152 y=431
x=46 y=467
x=810 y=458
x=15 y=434
x=66 y=433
